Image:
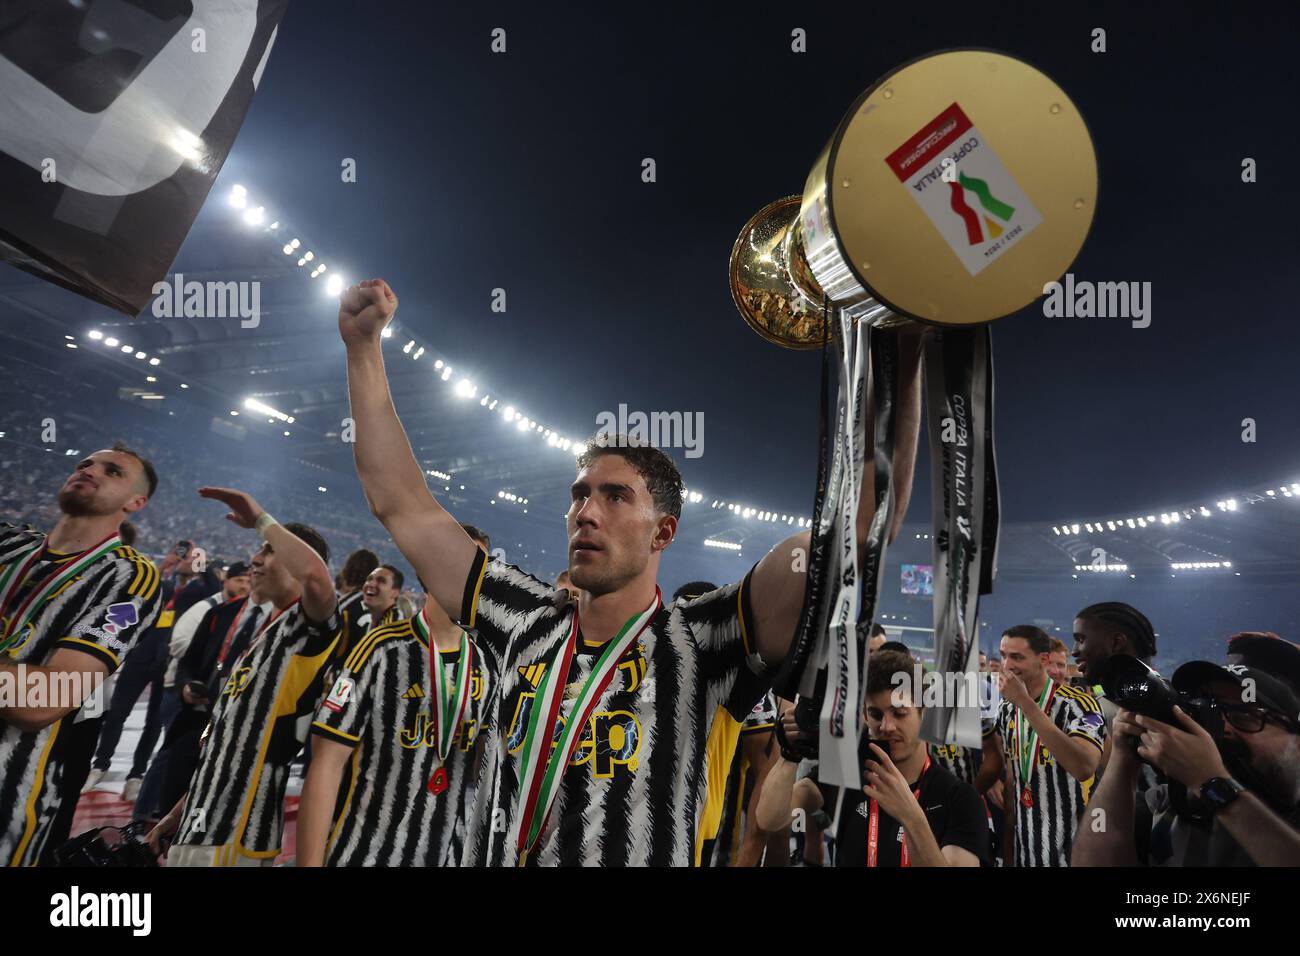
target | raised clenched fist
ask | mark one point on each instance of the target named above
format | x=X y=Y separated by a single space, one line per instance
x=364 y=310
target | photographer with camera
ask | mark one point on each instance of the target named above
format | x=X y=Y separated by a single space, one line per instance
x=1232 y=796
x=910 y=811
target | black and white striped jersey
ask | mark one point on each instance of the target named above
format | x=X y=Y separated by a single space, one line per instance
x=381 y=706
x=1045 y=829
x=350 y=611
x=99 y=612
x=259 y=724
x=731 y=782
x=634 y=789
x=962 y=762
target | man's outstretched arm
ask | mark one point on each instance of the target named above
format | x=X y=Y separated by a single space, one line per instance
x=428 y=537
x=779 y=580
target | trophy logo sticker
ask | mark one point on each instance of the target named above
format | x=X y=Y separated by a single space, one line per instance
x=960 y=184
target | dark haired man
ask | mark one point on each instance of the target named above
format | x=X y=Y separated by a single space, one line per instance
x=379 y=596
x=72 y=604
x=352 y=580
x=877 y=639
x=233 y=814
x=911 y=810
x=1102 y=631
x=1051 y=737
x=606 y=704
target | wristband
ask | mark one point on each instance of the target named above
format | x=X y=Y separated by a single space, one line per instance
x=264 y=521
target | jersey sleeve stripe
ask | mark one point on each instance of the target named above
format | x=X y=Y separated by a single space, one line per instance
x=325 y=731
x=1084 y=699
x=372 y=640
x=89 y=647
x=1082 y=736
x=755 y=728
x=473 y=585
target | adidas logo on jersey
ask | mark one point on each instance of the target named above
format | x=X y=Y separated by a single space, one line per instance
x=414 y=692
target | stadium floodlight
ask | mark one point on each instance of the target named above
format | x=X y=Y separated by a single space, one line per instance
x=579 y=449
x=253 y=405
x=255 y=216
x=238 y=196
x=128 y=348
x=335 y=285
x=309 y=255
x=95 y=334
x=296 y=243
x=388 y=332
x=465 y=388
x=111 y=342
x=1088 y=525
x=508 y=413
x=302 y=262
x=446 y=373
x=1232 y=504
x=1075 y=529
x=139 y=355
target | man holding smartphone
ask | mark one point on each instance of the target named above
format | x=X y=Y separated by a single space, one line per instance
x=911 y=811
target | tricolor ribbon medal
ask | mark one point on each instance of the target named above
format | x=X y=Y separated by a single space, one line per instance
x=540 y=772
x=449 y=699
x=16 y=572
x=1028 y=754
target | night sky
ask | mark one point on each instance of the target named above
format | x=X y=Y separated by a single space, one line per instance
x=522 y=171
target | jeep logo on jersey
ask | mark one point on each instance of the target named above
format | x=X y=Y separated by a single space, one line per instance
x=423 y=733
x=238 y=682
x=115 y=122
x=610 y=741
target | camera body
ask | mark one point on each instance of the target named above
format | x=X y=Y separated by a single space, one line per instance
x=1137 y=687
x=94 y=849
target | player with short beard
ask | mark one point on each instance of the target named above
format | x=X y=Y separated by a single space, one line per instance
x=71 y=606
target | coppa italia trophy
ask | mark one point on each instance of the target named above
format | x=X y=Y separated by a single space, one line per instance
x=953 y=190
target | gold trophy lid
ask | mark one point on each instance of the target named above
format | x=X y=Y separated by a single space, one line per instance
x=954 y=189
